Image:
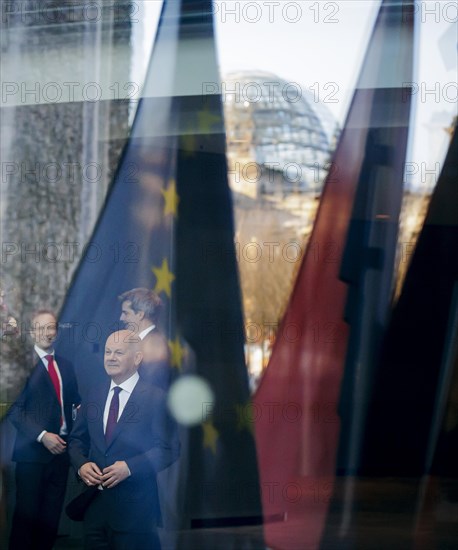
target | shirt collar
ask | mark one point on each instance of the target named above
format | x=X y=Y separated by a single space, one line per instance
x=128 y=385
x=42 y=353
x=146 y=331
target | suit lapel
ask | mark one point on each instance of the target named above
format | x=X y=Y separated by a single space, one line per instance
x=101 y=398
x=42 y=377
x=64 y=376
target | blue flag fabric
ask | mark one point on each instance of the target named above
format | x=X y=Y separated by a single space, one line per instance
x=167 y=225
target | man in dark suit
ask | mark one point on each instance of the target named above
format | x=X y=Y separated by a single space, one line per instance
x=140 y=310
x=122 y=438
x=42 y=415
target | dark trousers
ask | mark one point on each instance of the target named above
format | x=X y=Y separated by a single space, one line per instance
x=40 y=492
x=98 y=535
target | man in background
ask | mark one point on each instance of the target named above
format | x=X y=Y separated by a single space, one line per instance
x=43 y=417
x=140 y=309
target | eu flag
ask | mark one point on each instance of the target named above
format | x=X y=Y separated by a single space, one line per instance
x=167 y=225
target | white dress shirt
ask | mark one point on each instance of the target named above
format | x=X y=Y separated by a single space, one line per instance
x=127 y=387
x=146 y=331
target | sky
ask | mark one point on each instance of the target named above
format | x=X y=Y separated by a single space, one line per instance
x=319 y=46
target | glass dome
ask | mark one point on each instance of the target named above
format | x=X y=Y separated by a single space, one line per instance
x=276 y=125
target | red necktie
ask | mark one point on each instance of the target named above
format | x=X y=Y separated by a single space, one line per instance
x=113 y=412
x=55 y=381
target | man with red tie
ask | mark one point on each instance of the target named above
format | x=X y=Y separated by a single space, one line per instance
x=43 y=417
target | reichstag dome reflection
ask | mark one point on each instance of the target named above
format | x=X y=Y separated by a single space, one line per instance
x=279 y=136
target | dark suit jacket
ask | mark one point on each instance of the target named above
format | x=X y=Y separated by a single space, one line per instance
x=37 y=408
x=155 y=366
x=145 y=438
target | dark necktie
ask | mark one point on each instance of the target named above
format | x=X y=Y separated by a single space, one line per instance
x=113 y=412
x=55 y=381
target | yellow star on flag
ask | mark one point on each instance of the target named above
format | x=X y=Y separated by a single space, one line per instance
x=207 y=120
x=210 y=436
x=177 y=351
x=189 y=143
x=245 y=416
x=171 y=199
x=164 y=278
